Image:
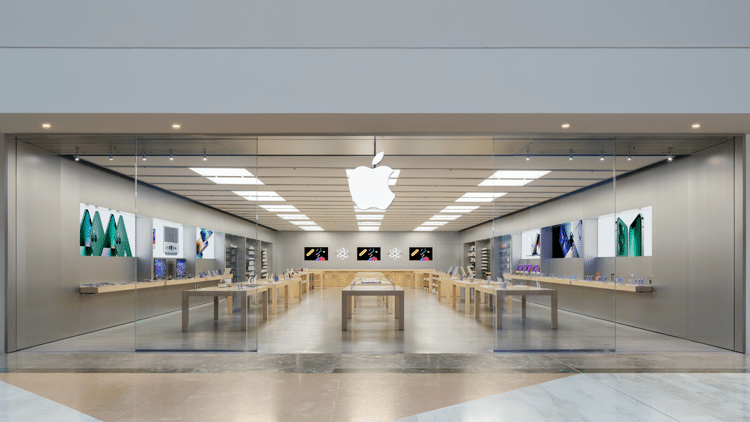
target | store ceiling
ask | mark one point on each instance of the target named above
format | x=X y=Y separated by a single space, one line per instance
x=309 y=173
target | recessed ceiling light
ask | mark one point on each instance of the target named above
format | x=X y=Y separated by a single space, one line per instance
x=303 y=223
x=358 y=209
x=368 y=223
x=312 y=228
x=369 y=228
x=260 y=195
x=434 y=223
x=46 y=125
x=566 y=125
x=279 y=208
x=444 y=217
x=696 y=126
x=454 y=208
x=425 y=228
x=293 y=216
x=176 y=126
x=369 y=217
x=480 y=196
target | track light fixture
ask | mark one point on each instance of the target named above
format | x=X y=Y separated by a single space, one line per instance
x=629 y=154
x=527 y=155
x=77 y=158
x=669 y=157
x=204 y=155
x=171 y=155
x=144 y=155
x=571 y=155
x=602 y=157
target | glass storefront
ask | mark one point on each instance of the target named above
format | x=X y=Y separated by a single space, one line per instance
x=499 y=243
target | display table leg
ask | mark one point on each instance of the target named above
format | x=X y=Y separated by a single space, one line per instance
x=510 y=304
x=264 y=299
x=243 y=312
x=523 y=306
x=401 y=312
x=185 y=310
x=286 y=297
x=499 y=310
x=344 y=310
x=467 y=300
x=216 y=308
x=553 y=309
x=477 y=295
x=274 y=299
x=229 y=305
x=453 y=294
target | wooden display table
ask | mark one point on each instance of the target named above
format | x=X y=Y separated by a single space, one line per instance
x=344 y=277
x=227 y=292
x=120 y=287
x=312 y=277
x=582 y=283
x=371 y=289
x=523 y=291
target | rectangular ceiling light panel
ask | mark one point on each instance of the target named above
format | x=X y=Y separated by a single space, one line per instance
x=279 y=208
x=303 y=223
x=455 y=208
x=369 y=228
x=519 y=174
x=259 y=195
x=369 y=217
x=425 y=228
x=434 y=223
x=480 y=196
x=221 y=172
x=235 y=180
x=368 y=223
x=444 y=217
x=312 y=228
x=506 y=182
x=293 y=216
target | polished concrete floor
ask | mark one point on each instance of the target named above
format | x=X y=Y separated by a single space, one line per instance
x=313 y=325
x=128 y=387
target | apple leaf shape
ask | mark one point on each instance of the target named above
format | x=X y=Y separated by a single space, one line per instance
x=378 y=158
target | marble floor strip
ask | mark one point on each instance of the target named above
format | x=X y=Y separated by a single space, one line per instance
x=17 y=404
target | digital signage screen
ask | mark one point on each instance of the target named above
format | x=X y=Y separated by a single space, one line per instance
x=567 y=240
x=316 y=254
x=160 y=268
x=420 y=254
x=368 y=254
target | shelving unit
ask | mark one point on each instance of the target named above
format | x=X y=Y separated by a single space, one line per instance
x=485 y=263
x=473 y=257
x=503 y=255
x=250 y=261
x=231 y=261
x=264 y=263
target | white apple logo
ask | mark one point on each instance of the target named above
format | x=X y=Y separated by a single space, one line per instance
x=369 y=187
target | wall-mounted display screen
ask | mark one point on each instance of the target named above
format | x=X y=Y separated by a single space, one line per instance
x=160 y=268
x=168 y=240
x=625 y=234
x=368 y=254
x=204 y=243
x=420 y=254
x=531 y=244
x=181 y=268
x=316 y=254
x=96 y=240
x=567 y=240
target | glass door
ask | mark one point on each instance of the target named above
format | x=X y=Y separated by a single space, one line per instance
x=554 y=289
x=197 y=243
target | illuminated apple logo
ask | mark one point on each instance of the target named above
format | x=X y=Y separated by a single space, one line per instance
x=369 y=186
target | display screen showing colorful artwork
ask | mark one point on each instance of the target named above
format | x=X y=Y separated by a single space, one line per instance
x=420 y=254
x=567 y=240
x=316 y=254
x=96 y=239
x=368 y=254
x=625 y=234
x=531 y=244
x=204 y=244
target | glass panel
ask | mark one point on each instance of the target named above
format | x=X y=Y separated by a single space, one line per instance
x=74 y=236
x=196 y=234
x=675 y=249
x=555 y=291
